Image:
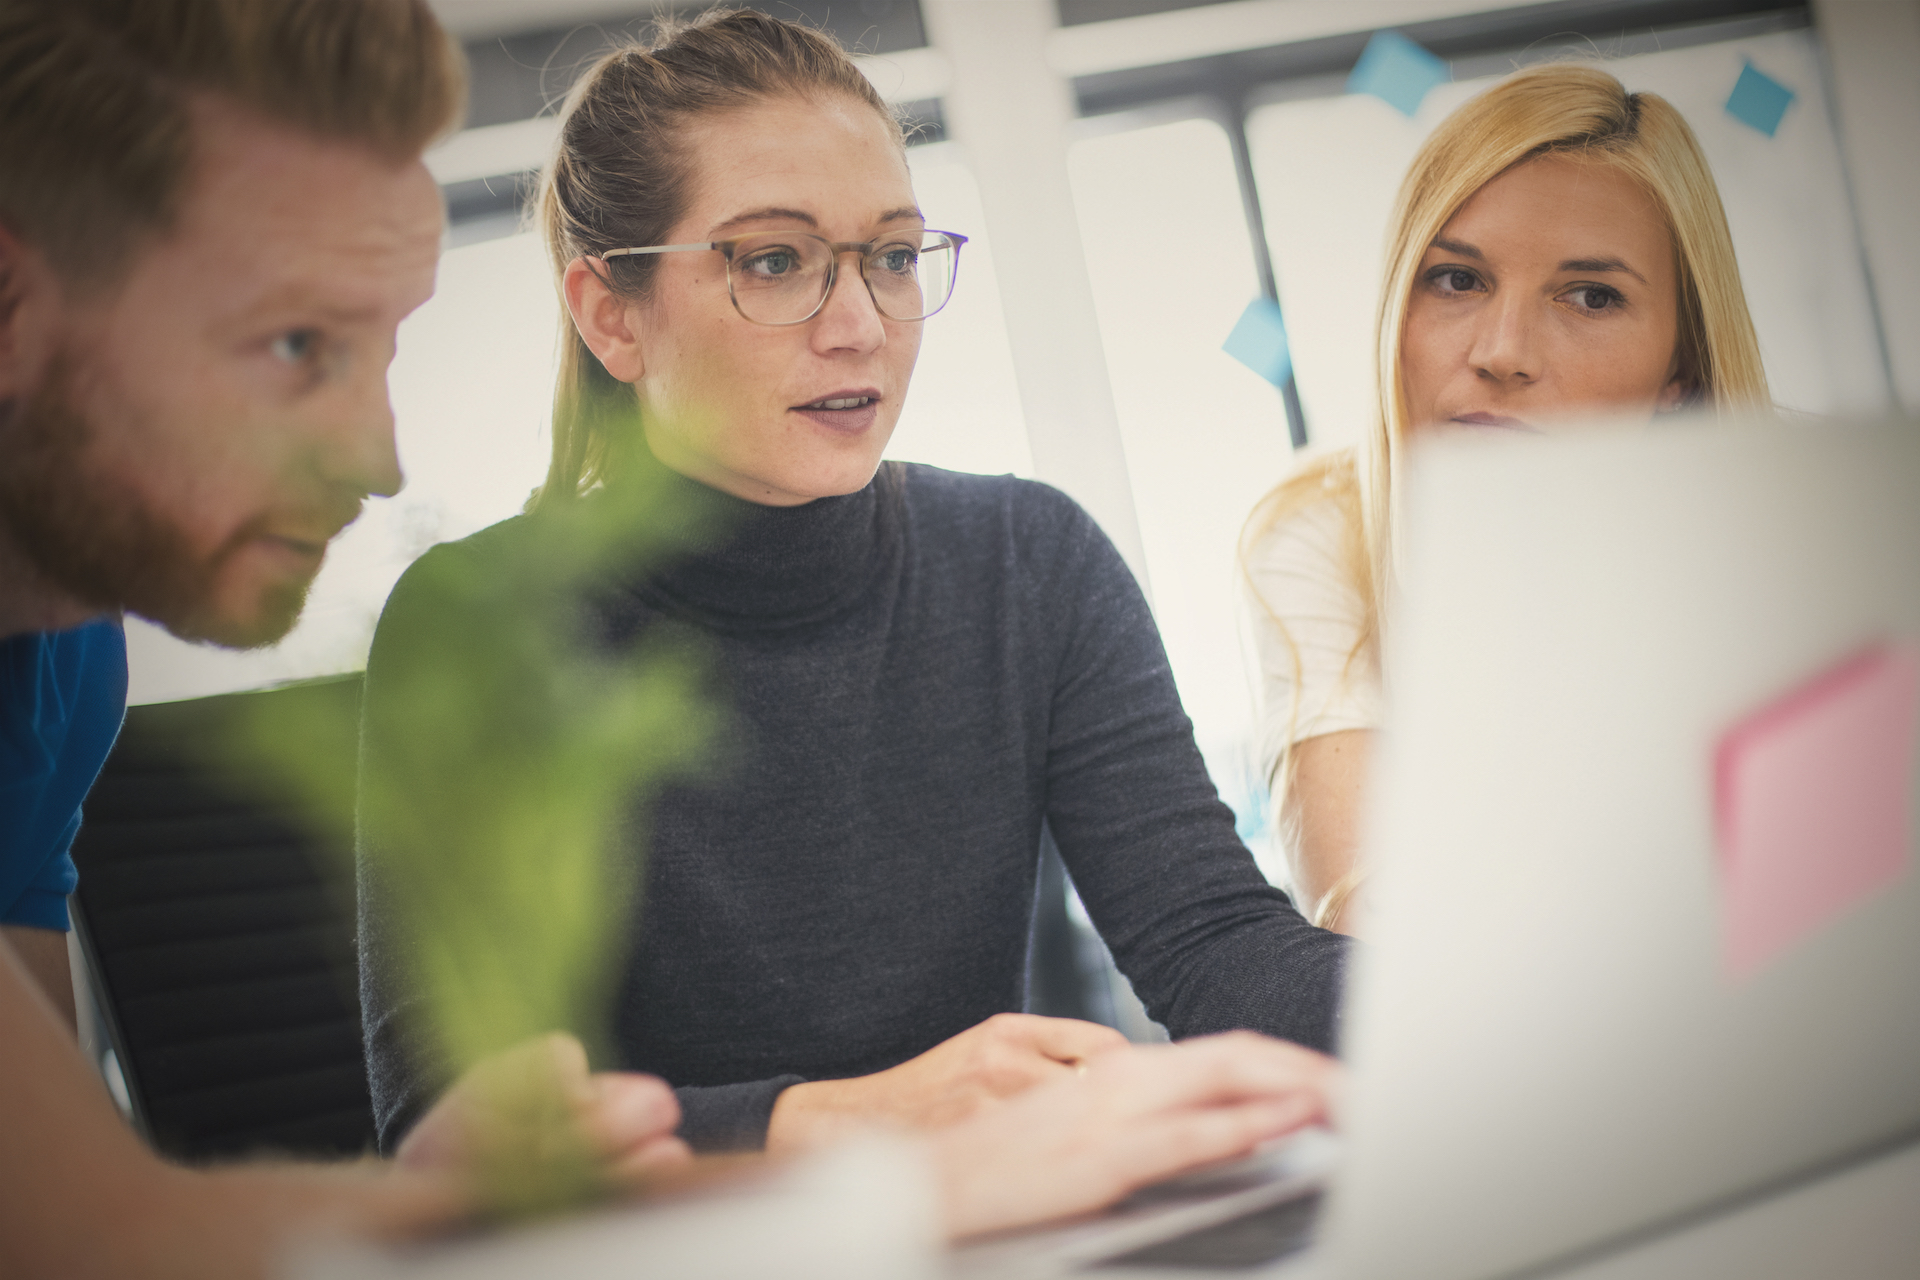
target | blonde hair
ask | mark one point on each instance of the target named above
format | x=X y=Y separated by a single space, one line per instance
x=96 y=136
x=620 y=178
x=1568 y=109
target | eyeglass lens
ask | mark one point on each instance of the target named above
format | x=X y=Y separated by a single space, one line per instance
x=780 y=277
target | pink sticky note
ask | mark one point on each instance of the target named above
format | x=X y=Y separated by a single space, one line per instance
x=1812 y=803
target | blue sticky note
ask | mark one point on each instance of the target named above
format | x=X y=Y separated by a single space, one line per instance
x=1398 y=71
x=1259 y=341
x=1759 y=100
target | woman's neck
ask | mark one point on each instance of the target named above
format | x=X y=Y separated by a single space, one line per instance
x=769 y=567
x=676 y=454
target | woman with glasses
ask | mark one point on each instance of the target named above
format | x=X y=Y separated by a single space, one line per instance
x=921 y=668
x=1558 y=252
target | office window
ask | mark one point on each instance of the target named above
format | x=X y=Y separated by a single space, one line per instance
x=963 y=409
x=1172 y=268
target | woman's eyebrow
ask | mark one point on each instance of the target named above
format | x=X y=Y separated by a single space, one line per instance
x=1600 y=266
x=1460 y=247
x=904 y=213
x=763 y=215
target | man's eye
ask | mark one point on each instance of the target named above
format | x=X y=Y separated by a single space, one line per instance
x=298 y=346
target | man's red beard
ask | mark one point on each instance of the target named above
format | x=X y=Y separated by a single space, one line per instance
x=95 y=537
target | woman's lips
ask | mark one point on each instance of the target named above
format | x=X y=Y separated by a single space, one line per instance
x=846 y=412
x=1496 y=420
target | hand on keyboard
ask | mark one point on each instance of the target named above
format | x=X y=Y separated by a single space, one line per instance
x=1132 y=1118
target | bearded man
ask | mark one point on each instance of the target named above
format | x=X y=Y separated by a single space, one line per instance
x=213 y=217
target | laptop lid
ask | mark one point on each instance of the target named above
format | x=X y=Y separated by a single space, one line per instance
x=1639 y=942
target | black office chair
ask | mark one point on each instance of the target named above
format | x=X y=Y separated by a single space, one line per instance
x=220 y=934
x=1067 y=966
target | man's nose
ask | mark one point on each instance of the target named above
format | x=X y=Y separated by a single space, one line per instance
x=363 y=454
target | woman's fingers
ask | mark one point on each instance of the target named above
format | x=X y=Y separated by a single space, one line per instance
x=1172 y=1143
x=622 y=1117
x=650 y=1159
x=565 y=1056
x=1135 y=1118
x=1064 y=1039
x=628 y=1112
x=1009 y=1054
x=453 y=1131
x=1214 y=1070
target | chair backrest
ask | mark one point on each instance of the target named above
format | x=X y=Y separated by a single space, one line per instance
x=220 y=932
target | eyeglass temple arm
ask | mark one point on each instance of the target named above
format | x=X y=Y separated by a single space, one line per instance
x=658 y=248
x=851 y=246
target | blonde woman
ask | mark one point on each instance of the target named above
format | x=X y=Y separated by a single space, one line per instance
x=1558 y=250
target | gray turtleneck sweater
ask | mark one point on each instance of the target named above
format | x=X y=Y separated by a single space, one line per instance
x=919 y=675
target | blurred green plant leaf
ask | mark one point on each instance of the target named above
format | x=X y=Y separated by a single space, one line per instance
x=507 y=759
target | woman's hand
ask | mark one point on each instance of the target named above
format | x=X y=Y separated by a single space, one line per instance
x=1007 y=1054
x=1131 y=1119
x=626 y=1120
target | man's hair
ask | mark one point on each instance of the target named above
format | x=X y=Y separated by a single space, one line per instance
x=96 y=98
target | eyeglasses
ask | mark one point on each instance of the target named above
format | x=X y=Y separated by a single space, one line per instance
x=784 y=277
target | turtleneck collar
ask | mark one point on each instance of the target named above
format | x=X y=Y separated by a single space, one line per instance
x=770 y=568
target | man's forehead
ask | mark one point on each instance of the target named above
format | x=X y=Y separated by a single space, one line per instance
x=274 y=210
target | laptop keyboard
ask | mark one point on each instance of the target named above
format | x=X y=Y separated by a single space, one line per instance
x=1266 y=1235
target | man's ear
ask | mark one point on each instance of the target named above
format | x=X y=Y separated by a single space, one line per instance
x=604 y=319
x=30 y=302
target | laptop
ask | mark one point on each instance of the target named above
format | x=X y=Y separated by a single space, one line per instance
x=1645 y=930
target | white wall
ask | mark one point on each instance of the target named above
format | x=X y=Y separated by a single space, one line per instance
x=1012 y=117
x=963 y=411
x=1171 y=266
x=1873 y=56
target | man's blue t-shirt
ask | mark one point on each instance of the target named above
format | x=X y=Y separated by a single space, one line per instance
x=63 y=695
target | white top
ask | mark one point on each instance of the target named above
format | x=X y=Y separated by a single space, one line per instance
x=1300 y=583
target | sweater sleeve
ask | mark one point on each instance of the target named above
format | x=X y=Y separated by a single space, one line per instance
x=1318 y=673
x=730 y=1117
x=403 y=1085
x=1208 y=944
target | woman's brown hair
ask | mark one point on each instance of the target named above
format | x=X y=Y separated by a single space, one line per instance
x=621 y=174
